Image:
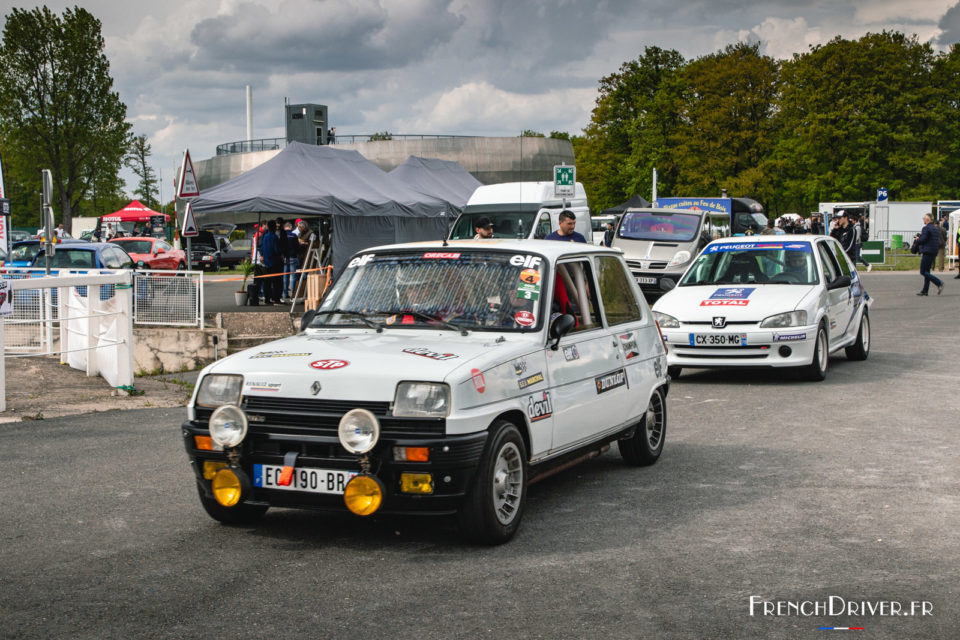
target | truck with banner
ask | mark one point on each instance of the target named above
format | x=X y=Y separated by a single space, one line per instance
x=746 y=214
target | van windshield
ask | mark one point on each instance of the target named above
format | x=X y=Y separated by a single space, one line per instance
x=669 y=227
x=506 y=224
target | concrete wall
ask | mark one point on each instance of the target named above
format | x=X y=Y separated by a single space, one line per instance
x=490 y=160
x=169 y=349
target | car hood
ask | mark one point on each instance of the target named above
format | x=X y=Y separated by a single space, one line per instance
x=736 y=303
x=364 y=365
x=652 y=250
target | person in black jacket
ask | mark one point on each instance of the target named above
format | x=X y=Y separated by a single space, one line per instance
x=928 y=241
x=843 y=232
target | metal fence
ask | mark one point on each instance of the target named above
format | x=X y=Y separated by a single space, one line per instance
x=160 y=298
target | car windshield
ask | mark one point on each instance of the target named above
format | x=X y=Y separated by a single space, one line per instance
x=512 y=224
x=753 y=262
x=668 y=227
x=136 y=246
x=482 y=290
x=72 y=259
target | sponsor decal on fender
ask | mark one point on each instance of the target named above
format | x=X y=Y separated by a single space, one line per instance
x=724 y=303
x=539 y=406
x=571 y=353
x=439 y=255
x=478 y=381
x=327 y=365
x=629 y=344
x=611 y=381
x=520 y=366
x=427 y=353
x=788 y=337
x=532 y=380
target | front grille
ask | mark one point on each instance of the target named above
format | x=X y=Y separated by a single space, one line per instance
x=636 y=266
x=729 y=322
x=315 y=417
x=725 y=356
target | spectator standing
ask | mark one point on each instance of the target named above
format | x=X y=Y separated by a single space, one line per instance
x=942 y=234
x=608 y=235
x=565 y=230
x=858 y=245
x=816 y=224
x=842 y=232
x=290 y=264
x=770 y=230
x=59 y=232
x=928 y=243
x=272 y=263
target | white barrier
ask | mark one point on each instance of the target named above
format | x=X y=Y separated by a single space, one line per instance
x=95 y=322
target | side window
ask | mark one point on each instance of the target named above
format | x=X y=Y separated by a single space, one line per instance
x=830 y=269
x=841 y=257
x=543 y=226
x=114 y=258
x=619 y=303
x=164 y=246
x=719 y=227
x=574 y=293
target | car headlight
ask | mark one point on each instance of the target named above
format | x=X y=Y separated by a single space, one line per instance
x=228 y=425
x=789 y=319
x=679 y=258
x=359 y=431
x=217 y=389
x=422 y=400
x=665 y=321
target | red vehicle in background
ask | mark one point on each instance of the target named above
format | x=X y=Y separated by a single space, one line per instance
x=153 y=252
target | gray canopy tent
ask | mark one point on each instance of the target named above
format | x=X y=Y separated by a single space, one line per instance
x=442 y=179
x=636 y=202
x=367 y=206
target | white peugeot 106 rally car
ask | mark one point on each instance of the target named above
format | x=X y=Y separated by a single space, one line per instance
x=436 y=378
x=766 y=301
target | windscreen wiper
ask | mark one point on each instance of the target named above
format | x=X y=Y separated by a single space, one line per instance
x=428 y=317
x=356 y=314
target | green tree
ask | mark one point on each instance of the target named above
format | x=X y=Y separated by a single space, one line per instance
x=530 y=133
x=559 y=135
x=57 y=107
x=148 y=186
x=381 y=135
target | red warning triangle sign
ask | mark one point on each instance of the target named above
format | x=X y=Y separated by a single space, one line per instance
x=189 y=229
x=187 y=185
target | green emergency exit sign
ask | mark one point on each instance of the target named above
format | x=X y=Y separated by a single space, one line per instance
x=564 y=181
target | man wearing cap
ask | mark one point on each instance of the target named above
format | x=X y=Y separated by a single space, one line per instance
x=842 y=232
x=484 y=229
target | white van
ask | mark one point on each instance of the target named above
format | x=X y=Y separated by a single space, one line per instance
x=658 y=244
x=521 y=210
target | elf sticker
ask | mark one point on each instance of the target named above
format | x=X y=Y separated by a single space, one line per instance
x=525 y=318
x=530 y=276
x=478 y=381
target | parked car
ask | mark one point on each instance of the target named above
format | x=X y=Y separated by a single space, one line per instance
x=210 y=252
x=154 y=253
x=18 y=236
x=436 y=378
x=762 y=302
x=23 y=254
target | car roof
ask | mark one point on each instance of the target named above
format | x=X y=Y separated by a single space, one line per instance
x=788 y=237
x=550 y=249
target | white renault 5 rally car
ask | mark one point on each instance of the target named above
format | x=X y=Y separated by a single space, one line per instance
x=766 y=301
x=436 y=378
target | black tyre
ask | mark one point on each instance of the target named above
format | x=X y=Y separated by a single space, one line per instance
x=493 y=507
x=674 y=372
x=860 y=349
x=181 y=267
x=644 y=447
x=240 y=514
x=817 y=369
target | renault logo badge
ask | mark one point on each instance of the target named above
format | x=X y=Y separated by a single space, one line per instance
x=315 y=387
x=719 y=322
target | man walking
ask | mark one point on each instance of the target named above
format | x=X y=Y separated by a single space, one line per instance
x=928 y=241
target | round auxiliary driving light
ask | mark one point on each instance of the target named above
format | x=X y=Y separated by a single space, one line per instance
x=785 y=351
x=228 y=425
x=363 y=495
x=359 y=431
x=229 y=486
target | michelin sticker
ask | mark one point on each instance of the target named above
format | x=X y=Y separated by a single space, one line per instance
x=789 y=337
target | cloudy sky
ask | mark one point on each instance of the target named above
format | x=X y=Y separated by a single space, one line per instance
x=472 y=67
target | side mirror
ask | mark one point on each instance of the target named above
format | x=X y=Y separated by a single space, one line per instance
x=307 y=318
x=666 y=284
x=560 y=327
x=840 y=282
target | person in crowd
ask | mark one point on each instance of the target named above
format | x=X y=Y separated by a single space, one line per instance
x=608 y=235
x=565 y=230
x=290 y=264
x=843 y=232
x=273 y=264
x=97 y=234
x=858 y=244
x=483 y=229
x=816 y=224
x=305 y=237
x=928 y=243
x=770 y=230
x=59 y=232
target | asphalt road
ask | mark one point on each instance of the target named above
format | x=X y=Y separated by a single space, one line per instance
x=841 y=491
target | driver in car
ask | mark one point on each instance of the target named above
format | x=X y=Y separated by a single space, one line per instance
x=795 y=266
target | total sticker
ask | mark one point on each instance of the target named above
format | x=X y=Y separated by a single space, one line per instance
x=530 y=276
x=525 y=318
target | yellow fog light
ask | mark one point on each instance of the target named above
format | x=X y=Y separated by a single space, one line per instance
x=210 y=468
x=416 y=483
x=363 y=495
x=229 y=486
